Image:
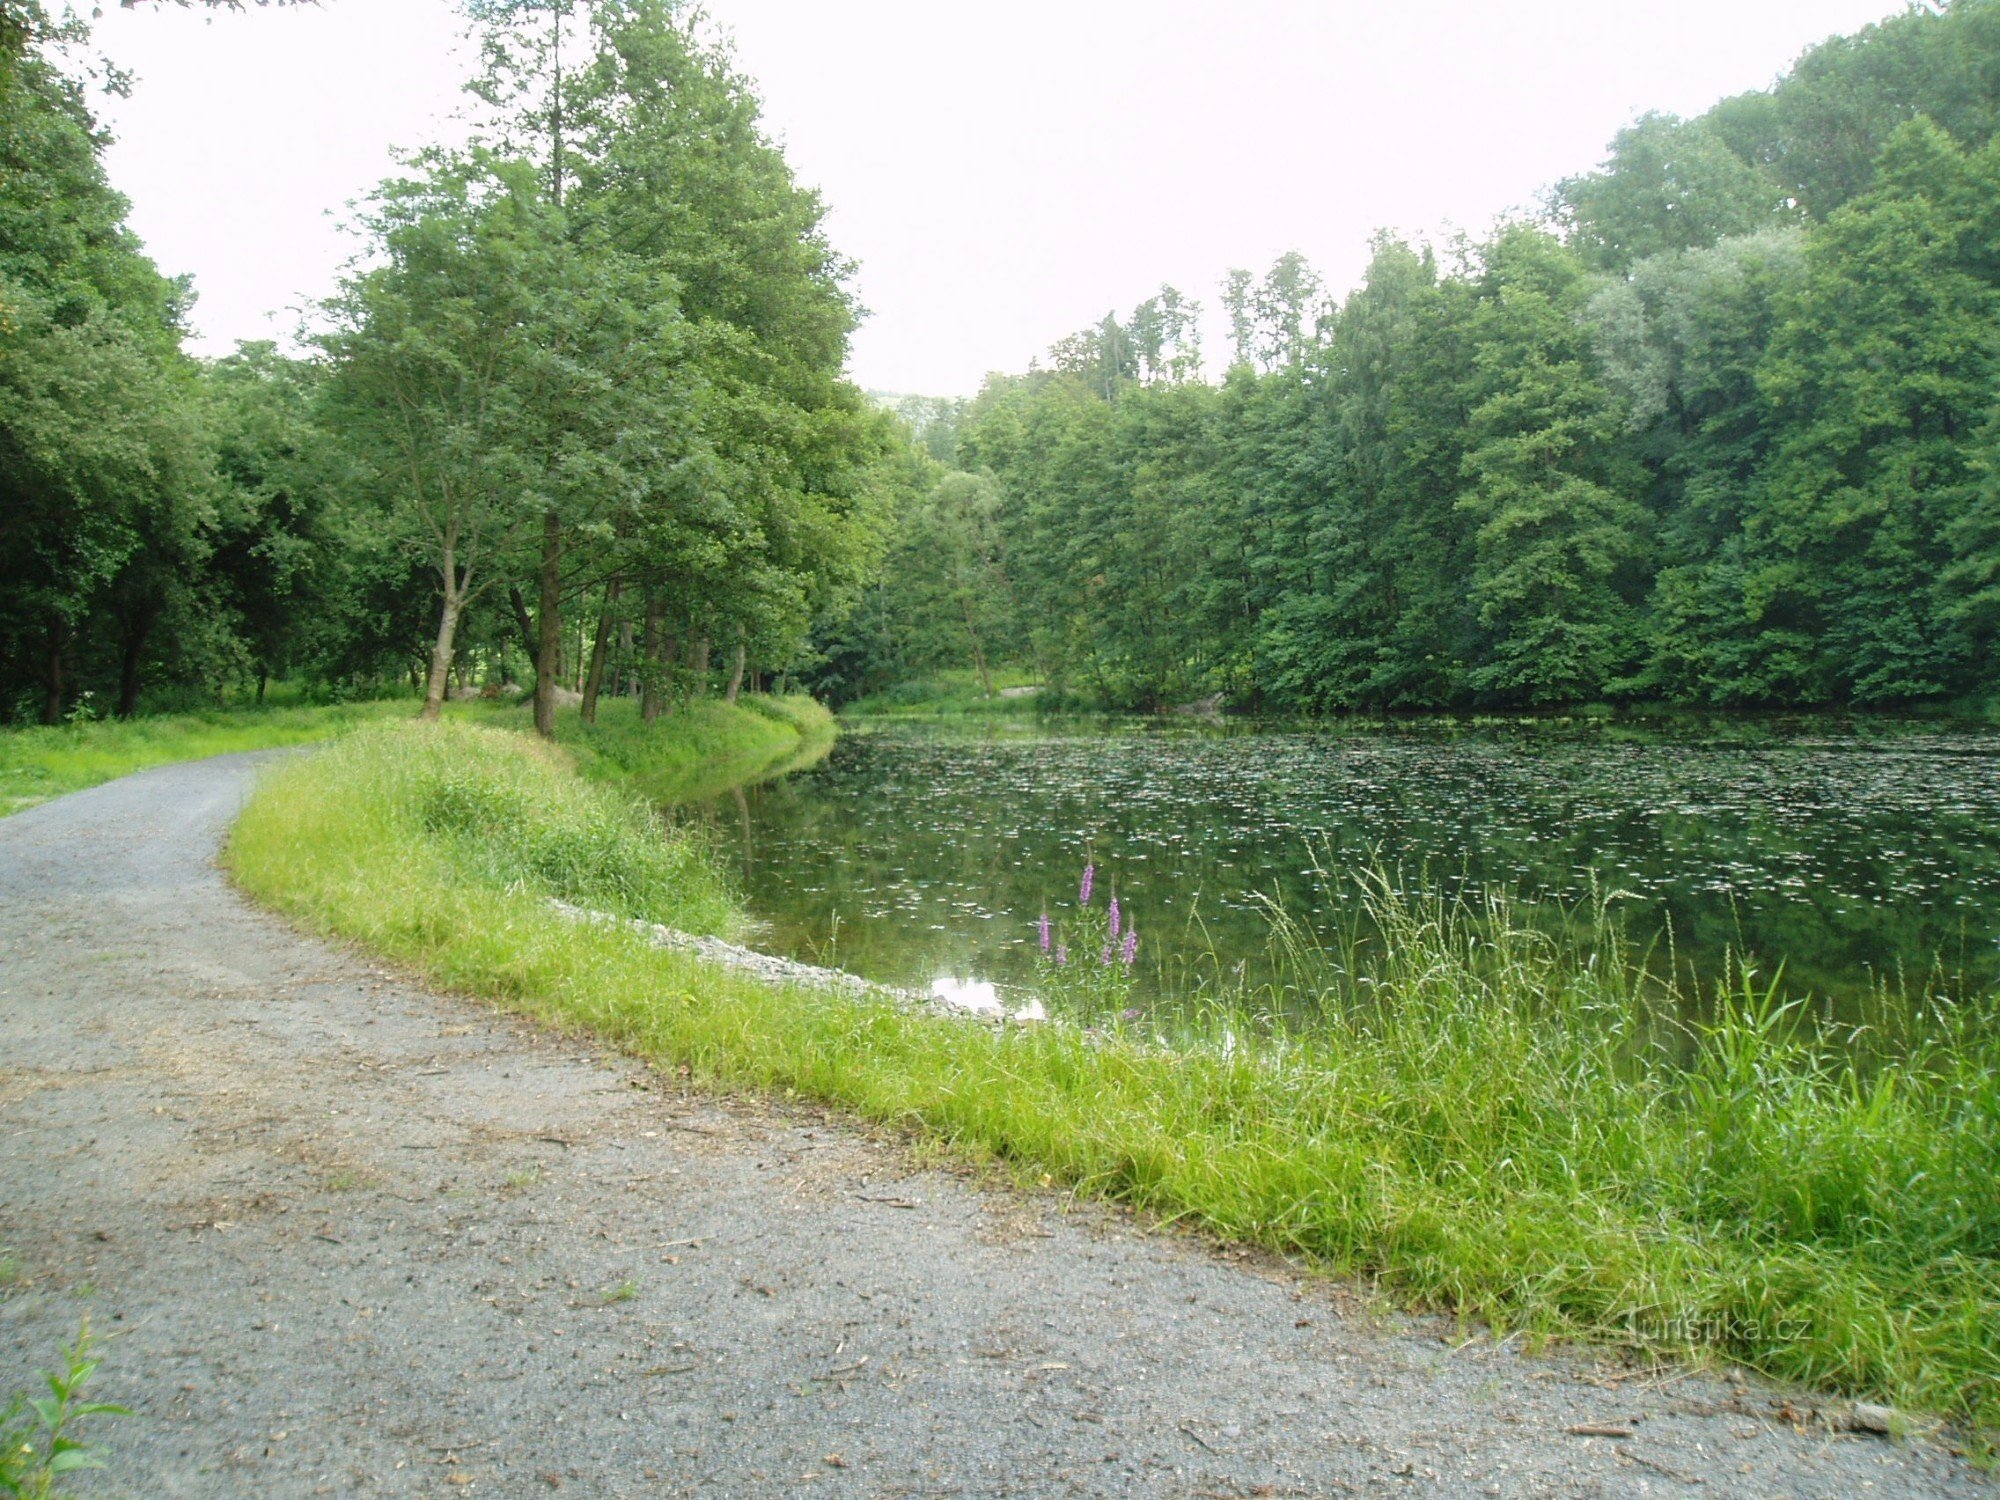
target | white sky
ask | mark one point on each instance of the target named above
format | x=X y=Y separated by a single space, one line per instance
x=1005 y=173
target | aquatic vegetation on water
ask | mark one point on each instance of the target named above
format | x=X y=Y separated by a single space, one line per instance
x=1849 y=852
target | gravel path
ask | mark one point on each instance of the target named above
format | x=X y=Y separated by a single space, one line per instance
x=347 y=1237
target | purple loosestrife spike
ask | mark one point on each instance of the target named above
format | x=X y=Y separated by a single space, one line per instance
x=1114 y=916
x=1089 y=878
x=1131 y=946
x=1105 y=958
x=1043 y=927
x=1062 y=955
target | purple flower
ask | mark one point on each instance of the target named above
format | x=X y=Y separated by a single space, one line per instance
x=1062 y=955
x=1105 y=958
x=1089 y=877
x=1043 y=927
x=1132 y=1014
x=1131 y=946
x=1114 y=916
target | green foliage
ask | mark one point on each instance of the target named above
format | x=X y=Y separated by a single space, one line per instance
x=104 y=499
x=593 y=358
x=1669 y=185
x=742 y=506
x=1559 y=549
x=1495 y=1109
x=38 y=1434
x=1881 y=376
x=1726 y=440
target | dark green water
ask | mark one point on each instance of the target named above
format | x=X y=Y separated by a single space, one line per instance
x=1843 y=849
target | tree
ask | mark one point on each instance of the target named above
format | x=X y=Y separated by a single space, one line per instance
x=1560 y=542
x=103 y=482
x=1680 y=341
x=1288 y=310
x=434 y=360
x=274 y=535
x=1364 y=604
x=1669 y=185
x=1883 y=374
x=768 y=517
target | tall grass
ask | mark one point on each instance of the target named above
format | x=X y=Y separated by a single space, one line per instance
x=470 y=808
x=1489 y=1115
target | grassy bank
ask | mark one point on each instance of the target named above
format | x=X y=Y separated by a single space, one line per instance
x=1485 y=1121
x=37 y=763
x=953 y=695
x=700 y=747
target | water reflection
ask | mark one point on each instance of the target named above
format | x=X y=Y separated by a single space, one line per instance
x=980 y=997
x=1841 y=849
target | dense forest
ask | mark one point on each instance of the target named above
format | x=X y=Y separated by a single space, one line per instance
x=1720 y=425
x=576 y=419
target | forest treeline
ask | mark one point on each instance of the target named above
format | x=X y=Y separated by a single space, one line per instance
x=576 y=417
x=1721 y=426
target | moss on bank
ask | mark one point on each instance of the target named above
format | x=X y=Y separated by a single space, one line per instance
x=1491 y=1132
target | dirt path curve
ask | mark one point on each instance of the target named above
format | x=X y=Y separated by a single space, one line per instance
x=351 y=1238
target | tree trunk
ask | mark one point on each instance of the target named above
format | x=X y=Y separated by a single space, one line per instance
x=736 y=673
x=625 y=680
x=524 y=622
x=701 y=665
x=132 y=652
x=651 y=667
x=548 y=659
x=978 y=655
x=445 y=648
x=263 y=676
x=593 y=681
x=52 y=702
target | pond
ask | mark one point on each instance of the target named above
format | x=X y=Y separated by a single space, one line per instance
x=1844 y=849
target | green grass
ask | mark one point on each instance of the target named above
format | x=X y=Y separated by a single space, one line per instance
x=698 y=748
x=37 y=764
x=957 y=694
x=1484 y=1120
x=493 y=810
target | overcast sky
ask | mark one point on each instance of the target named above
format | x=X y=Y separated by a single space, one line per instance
x=1004 y=173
